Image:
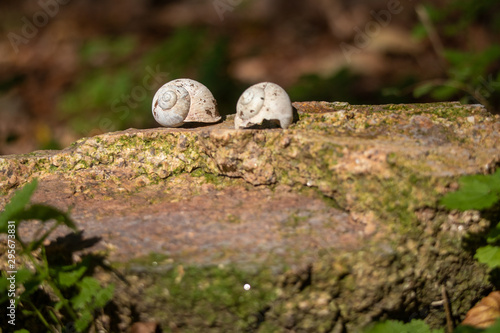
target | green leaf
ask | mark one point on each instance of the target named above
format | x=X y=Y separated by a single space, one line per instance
x=44 y=214
x=444 y=92
x=489 y=255
x=22 y=331
x=83 y=321
x=28 y=313
x=32 y=284
x=24 y=275
x=104 y=296
x=58 y=305
x=494 y=180
x=70 y=277
x=494 y=235
x=423 y=89
x=91 y=297
x=91 y=293
x=467 y=329
x=392 y=326
x=87 y=286
x=20 y=199
x=476 y=192
x=461 y=74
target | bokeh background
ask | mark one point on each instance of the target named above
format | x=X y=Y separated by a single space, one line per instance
x=75 y=68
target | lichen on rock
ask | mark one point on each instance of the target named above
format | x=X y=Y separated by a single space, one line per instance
x=341 y=208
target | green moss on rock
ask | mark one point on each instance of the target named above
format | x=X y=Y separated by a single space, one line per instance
x=385 y=166
x=221 y=298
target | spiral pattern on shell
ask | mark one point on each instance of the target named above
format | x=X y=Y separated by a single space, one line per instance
x=171 y=105
x=265 y=104
x=251 y=102
x=184 y=100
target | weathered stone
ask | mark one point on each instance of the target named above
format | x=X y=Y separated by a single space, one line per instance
x=333 y=222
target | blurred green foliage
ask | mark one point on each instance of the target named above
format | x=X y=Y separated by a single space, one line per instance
x=338 y=87
x=344 y=85
x=479 y=192
x=50 y=294
x=457 y=15
x=476 y=192
x=111 y=94
x=106 y=78
x=470 y=76
x=119 y=80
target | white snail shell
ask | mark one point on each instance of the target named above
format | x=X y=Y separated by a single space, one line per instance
x=182 y=101
x=263 y=101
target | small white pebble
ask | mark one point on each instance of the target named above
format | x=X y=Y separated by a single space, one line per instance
x=247 y=286
x=471 y=119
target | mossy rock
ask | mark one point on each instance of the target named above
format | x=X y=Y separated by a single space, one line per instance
x=333 y=223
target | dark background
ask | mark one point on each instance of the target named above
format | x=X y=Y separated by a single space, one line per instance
x=74 y=68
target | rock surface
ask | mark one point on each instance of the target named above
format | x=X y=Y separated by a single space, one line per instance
x=334 y=223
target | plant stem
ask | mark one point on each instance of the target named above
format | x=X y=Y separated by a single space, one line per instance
x=447 y=310
x=55 y=288
x=40 y=316
x=423 y=16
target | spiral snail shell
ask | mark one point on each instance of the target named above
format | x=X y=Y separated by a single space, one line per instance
x=182 y=101
x=261 y=102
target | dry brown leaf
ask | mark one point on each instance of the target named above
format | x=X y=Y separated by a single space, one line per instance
x=484 y=313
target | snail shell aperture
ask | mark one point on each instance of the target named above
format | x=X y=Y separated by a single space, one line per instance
x=263 y=101
x=184 y=100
